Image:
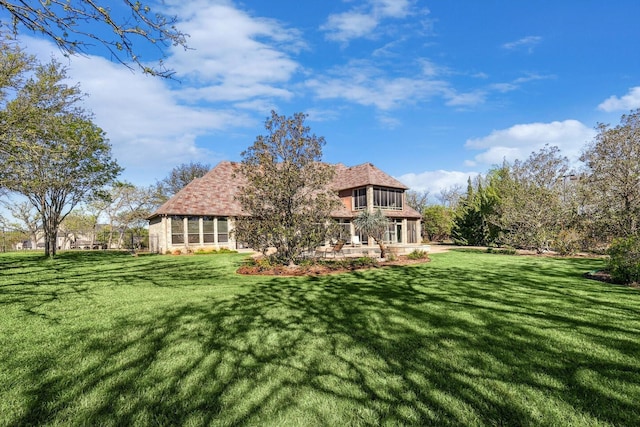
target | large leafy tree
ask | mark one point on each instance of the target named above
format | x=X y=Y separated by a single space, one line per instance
x=76 y=26
x=531 y=213
x=612 y=182
x=437 y=222
x=178 y=178
x=286 y=195
x=51 y=151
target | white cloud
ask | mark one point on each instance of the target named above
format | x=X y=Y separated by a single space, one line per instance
x=518 y=141
x=391 y=8
x=436 y=181
x=149 y=130
x=630 y=101
x=365 y=84
x=238 y=58
x=362 y=21
x=349 y=25
x=388 y=122
x=468 y=99
x=242 y=63
x=526 y=42
x=516 y=83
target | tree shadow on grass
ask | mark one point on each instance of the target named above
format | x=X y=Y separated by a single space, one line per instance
x=404 y=346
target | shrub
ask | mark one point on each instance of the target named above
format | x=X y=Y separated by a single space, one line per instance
x=624 y=260
x=567 y=242
x=364 y=261
x=418 y=254
x=225 y=250
x=501 y=251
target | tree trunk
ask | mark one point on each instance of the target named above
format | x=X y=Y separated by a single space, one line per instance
x=50 y=226
x=383 y=249
x=49 y=241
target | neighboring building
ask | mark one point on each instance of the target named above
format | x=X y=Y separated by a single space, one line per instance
x=202 y=213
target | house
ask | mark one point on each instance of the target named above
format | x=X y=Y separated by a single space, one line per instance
x=202 y=214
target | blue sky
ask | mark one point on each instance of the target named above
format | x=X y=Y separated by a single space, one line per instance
x=429 y=91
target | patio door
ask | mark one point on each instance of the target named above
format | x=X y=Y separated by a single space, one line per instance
x=394 y=232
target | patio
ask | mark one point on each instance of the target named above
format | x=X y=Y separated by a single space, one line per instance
x=354 y=251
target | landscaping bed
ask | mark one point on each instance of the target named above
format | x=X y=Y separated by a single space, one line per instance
x=311 y=267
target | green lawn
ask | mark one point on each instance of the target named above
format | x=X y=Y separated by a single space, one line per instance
x=467 y=339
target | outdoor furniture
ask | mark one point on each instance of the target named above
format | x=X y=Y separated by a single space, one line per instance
x=355 y=241
x=335 y=249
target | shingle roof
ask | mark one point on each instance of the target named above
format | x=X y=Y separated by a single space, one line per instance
x=214 y=194
x=362 y=175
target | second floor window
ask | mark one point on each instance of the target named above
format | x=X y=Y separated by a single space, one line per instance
x=359 y=199
x=387 y=198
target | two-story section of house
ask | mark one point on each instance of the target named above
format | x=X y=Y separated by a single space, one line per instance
x=365 y=187
x=202 y=214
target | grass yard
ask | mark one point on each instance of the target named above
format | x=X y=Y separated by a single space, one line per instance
x=468 y=339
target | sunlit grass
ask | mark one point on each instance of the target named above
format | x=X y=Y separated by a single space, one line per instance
x=467 y=339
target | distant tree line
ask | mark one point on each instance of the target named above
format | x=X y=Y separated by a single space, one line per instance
x=541 y=203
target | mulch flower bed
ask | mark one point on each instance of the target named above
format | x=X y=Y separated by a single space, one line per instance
x=605 y=276
x=321 y=268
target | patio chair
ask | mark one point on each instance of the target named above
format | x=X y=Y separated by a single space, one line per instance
x=335 y=249
x=355 y=241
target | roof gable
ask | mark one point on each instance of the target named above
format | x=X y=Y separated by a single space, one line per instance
x=363 y=175
x=213 y=194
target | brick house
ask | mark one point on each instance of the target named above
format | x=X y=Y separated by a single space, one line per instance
x=201 y=215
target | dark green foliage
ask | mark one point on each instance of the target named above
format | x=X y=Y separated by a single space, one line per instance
x=473 y=221
x=624 y=260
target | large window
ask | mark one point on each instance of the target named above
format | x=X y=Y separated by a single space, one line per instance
x=359 y=199
x=344 y=230
x=208 y=230
x=177 y=230
x=412 y=231
x=387 y=198
x=193 y=229
x=223 y=230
